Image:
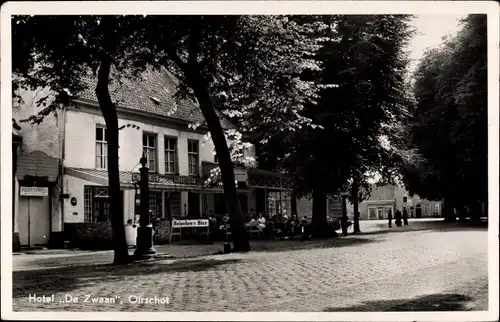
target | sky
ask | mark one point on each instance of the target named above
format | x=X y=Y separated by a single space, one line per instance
x=430 y=31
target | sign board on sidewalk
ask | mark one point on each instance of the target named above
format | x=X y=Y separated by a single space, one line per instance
x=34 y=191
x=189 y=223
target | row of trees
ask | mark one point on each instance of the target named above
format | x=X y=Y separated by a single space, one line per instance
x=449 y=122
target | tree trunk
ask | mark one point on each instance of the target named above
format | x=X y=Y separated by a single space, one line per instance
x=319 y=224
x=294 y=203
x=355 y=203
x=241 y=241
x=115 y=205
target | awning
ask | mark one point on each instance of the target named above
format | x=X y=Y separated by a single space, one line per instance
x=37 y=164
x=127 y=180
x=268 y=179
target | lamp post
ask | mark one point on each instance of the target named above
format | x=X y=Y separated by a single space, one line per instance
x=145 y=230
x=344 y=196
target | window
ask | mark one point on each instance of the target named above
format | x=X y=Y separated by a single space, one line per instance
x=87 y=204
x=372 y=213
x=155 y=203
x=193 y=157
x=101 y=147
x=171 y=155
x=149 y=150
x=96 y=204
x=173 y=205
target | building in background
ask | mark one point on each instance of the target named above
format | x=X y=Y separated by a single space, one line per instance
x=393 y=198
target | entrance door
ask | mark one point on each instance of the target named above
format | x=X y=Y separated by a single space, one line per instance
x=34 y=221
x=194 y=205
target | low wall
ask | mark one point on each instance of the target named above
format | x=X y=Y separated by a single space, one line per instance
x=98 y=236
x=89 y=236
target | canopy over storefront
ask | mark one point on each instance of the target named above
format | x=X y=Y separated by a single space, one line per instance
x=129 y=179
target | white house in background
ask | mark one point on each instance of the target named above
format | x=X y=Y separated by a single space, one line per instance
x=67 y=154
x=394 y=197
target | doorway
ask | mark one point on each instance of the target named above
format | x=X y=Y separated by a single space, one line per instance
x=194 y=205
x=34 y=221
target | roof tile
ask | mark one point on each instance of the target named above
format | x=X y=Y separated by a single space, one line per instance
x=137 y=95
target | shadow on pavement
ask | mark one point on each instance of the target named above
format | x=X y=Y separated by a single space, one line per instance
x=66 y=279
x=292 y=245
x=434 y=302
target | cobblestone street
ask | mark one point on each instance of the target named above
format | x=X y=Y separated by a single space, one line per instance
x=438 y=267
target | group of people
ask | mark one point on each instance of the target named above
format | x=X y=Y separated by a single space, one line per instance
x=400 y=218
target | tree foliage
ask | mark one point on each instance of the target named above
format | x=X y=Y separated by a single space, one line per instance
x=364 y=65
x=449 y=123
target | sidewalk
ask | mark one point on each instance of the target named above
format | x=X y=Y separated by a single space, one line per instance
x=46 y=258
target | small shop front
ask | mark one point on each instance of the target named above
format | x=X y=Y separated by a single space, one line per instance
x=170 y=197
x=272 y=192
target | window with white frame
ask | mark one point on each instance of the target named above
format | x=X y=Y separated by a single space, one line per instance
x=193 y=157
x=171 y=166
x=101 y=147
x=149 y=150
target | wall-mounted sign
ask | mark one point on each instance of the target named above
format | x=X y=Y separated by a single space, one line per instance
x=75 y=214
x=152 y=177
x=73 y=201
x=34 y=191
x=184 y=179
x=189 y=223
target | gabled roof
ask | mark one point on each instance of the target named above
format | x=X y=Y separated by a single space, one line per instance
x=152 y=93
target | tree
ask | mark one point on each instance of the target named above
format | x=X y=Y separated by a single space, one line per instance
x=246 y=67
x=57 y=53
x=450 y=115
x=363 y=66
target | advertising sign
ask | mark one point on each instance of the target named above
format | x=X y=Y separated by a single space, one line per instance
x=189 y=223
x=34 y=191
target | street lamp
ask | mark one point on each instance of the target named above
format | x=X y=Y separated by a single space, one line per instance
x=344 y=195
x=145 y=230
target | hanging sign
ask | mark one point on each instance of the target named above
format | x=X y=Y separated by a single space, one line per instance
x=189 y=223
x=34 y=191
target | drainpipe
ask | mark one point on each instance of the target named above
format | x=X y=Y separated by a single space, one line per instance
x=63 y=150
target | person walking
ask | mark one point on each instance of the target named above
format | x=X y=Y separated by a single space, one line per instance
x=398 y=218
x=405 y=216
x=389 y=216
